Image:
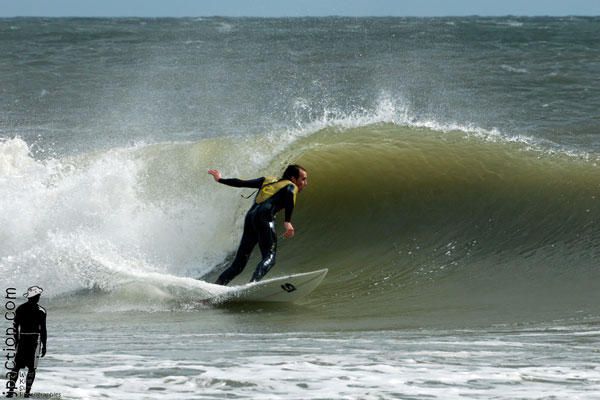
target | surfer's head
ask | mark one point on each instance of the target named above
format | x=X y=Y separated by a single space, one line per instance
x=33 y=294
x=297 y=174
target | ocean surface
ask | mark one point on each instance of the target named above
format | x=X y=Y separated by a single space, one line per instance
x=454 y=195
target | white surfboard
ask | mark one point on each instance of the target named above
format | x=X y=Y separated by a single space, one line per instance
x=281 y=289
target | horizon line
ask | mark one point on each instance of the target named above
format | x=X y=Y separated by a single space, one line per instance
x=310 y=16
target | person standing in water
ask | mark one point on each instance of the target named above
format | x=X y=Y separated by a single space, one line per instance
x=259 y=225
x=30 y=338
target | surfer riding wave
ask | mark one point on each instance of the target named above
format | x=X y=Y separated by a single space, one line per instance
x=259 y=225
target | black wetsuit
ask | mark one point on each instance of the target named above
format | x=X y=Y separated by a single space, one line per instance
x=259 y=227
x=30 y=331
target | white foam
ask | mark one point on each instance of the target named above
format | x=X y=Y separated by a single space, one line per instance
x=396 y=110
x=509 y=68
x=511 y=23
x=344 y=365
x=93 y=221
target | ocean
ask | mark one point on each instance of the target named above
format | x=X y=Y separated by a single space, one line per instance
x=454 y=196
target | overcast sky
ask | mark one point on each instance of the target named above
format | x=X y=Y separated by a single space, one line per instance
x=294 y=8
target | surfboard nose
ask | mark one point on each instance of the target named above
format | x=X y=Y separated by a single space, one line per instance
x=284 y=289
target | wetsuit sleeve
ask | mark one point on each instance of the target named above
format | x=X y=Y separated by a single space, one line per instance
x=252 y=183
x=288 y=202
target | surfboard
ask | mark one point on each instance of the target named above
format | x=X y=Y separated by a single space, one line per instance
x=283 y=289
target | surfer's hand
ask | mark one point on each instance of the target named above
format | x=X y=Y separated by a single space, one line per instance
x=289 y=230
x=43 y=351
x=216 y=174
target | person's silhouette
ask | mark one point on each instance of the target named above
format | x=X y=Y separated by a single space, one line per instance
x=30 y=338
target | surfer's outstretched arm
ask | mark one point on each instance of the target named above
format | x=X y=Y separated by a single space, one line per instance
x=251 y=183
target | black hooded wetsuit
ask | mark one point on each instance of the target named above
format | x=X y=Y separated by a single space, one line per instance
x=259 y=227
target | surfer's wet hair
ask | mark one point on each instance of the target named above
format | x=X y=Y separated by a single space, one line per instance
x=293 y=171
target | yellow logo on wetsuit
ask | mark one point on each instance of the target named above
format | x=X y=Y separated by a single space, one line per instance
x=271 y=186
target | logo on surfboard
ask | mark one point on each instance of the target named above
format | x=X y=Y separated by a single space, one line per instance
x=288 y=287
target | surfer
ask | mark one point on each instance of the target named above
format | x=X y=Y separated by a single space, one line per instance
x=259 y=225
x=30 y=336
